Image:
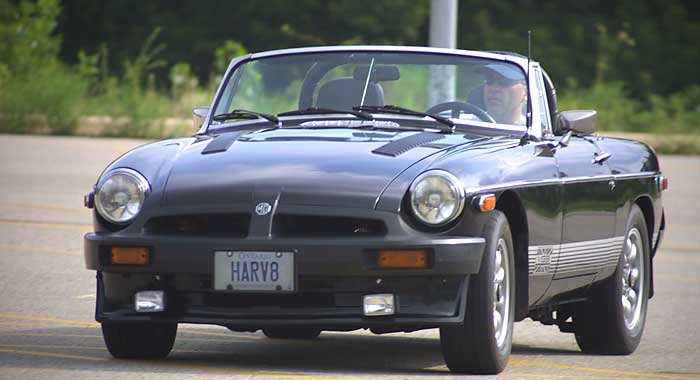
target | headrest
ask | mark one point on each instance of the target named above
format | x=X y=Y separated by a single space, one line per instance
x=345 y=93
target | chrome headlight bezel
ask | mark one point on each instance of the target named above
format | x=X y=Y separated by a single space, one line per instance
x=141 y=184
x=453 y=185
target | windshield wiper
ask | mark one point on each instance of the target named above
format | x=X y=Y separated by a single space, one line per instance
x=321 y=111
x=246 y=115
x=405 y=111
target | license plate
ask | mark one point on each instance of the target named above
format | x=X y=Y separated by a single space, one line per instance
x=258 y=271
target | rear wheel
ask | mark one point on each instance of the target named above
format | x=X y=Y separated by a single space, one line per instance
x=141 y=340
x=482 y=343
x=612 y=320
x=305 y=333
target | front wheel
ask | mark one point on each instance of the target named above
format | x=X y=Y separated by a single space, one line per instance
x=612 y=320
x=139 y=340
x=482 y=343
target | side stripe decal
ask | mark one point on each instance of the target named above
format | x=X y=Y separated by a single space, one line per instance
x=574 y=257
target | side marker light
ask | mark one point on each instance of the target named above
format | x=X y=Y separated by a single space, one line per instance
x=486 y=202
x=403 y=259
x=130 y=255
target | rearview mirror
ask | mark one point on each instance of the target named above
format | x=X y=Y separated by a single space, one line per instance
x=579 y=121
x=199 y=114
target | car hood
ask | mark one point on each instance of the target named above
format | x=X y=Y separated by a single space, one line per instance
x=339 y=167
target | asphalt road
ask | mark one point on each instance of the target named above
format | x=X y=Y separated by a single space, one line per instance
x=47 y=330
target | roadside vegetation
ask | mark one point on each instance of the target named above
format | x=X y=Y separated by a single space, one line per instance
x=146 y=96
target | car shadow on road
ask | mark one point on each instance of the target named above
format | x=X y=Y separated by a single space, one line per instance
x=83 y=349
x=524 y=349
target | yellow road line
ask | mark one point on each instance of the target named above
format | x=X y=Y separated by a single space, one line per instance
x=76 y=323
x=283 y=375
x=52 y=355
x=69 y=226
x=563 y=376
x=681 y=279
x=316 y=377
x=44 y=207
x=101 y=348
x=688 y=258
x=34 y=324
x=53 y=347
x=48 y=319
x=528 y=363
x=195 y=332
x=231 y=339
x=165 y=364
x=51 y=335
x=679 y=247
x=25 y=248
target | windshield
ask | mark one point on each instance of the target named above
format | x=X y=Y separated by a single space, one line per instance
x=451 y=86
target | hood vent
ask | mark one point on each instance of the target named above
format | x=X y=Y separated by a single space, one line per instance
x=407 y=143
x=222 y=142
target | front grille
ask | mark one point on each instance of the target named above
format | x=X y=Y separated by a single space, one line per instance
x=232 y=225
x=295 y=226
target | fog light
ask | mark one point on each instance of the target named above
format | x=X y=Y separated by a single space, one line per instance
x=379 y=304
x=149 y=301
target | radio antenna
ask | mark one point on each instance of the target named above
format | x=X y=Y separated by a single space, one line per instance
x=529 y=101
x=529 y=48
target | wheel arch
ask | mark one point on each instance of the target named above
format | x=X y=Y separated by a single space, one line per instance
x=647 y=207
x=509 y=203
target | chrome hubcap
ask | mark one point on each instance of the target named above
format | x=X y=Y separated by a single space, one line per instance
x=501 y=292
x=632 y=279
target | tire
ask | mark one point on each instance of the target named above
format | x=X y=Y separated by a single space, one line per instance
x=284 y=332
x=480 y=345
x=601 y=323
x=142 y=340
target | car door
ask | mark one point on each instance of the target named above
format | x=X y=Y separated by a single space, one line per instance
x=589 y=209
x=545 y=205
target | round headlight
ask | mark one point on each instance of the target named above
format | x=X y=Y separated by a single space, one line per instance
x=120 y=195
x=437 y=197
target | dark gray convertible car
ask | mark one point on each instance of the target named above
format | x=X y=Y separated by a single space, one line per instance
x=382 y=188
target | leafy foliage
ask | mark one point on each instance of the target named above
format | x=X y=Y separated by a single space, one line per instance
x=633 y=61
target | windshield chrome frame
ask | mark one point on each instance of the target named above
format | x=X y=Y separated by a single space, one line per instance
x=521 y=62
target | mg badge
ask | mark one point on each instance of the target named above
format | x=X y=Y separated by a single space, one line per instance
x=263 y=208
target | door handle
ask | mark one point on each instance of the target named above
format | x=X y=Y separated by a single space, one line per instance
x=600 y=158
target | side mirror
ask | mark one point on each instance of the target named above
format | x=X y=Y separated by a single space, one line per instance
x=199 y=114
x=580 y=121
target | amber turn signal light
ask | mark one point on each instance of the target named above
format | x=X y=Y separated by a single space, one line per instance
x=486 y=202
x=403 y=259
x=130 y=255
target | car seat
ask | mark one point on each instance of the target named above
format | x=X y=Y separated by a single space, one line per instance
x=346 y=92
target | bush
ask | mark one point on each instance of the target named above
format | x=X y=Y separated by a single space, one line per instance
x=47 y=101
x=618 y=111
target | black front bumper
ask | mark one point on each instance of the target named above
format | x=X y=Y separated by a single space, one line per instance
x=333 y=275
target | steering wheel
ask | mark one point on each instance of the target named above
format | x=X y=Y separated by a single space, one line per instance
x=456 y=107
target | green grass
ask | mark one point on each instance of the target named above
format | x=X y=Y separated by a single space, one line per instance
x=57 y=100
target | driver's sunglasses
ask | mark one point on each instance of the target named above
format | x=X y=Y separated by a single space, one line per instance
x=501 y=82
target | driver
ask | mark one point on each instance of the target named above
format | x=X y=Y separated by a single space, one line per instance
x=505 y=94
